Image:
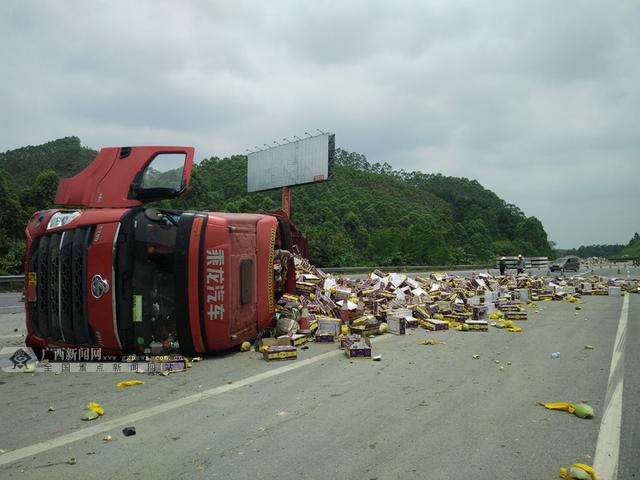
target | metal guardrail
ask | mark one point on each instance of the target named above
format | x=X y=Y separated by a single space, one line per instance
x=407 y=268
x=634 y=260
x=530 y=263
x=12 y=279
x=402 y=268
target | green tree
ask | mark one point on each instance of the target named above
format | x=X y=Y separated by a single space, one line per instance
x=11 y=256
x=13 y=217
x=43 y=192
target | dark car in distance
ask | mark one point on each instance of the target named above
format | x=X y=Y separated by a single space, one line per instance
x=565 y=263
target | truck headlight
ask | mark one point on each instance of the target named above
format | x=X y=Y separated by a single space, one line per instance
x=61 y=218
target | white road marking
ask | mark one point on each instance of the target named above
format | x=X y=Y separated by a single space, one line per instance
x=4 y=337
x=13 y=306
x=605 y=461
x=102 y=427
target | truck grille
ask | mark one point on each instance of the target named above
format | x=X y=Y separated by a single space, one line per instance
x=60 y=310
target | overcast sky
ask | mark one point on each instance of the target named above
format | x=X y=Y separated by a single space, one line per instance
x=539 y=101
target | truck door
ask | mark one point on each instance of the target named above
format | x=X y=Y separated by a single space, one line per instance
x=128 y=177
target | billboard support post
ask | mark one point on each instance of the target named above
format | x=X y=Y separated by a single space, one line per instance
x=286 y=201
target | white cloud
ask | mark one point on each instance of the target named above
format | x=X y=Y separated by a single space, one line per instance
x=539 y=101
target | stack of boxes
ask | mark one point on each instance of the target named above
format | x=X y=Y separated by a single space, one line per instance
x=351 y=311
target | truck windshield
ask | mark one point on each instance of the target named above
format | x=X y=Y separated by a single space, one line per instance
x=154 y=322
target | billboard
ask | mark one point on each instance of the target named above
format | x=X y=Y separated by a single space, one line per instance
x=304 y=161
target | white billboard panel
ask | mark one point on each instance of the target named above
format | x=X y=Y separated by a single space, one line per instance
x=305 y=161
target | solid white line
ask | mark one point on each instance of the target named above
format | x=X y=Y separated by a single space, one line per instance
x=14 y=306
x=605 y=461
x=103 y=427
x=4 y=337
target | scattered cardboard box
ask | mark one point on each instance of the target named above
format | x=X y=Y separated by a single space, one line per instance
x=280 y=352
x=397 y=324
x=356 y=347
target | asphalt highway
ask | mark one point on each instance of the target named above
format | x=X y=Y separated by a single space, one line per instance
x=421 y=412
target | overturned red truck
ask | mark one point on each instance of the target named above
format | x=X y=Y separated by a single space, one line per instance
x=106 y=271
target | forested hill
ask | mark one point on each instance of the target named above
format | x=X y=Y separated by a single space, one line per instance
x=64 y=156
x=368 y=214
x=371 y=215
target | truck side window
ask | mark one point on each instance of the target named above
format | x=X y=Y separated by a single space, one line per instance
x=246 y=281
x=165 y=171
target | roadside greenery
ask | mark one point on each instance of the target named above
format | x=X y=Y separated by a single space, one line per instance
x=631 y=249
x=369 y=214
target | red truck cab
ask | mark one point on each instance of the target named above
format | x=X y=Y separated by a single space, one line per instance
x=106 y=271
